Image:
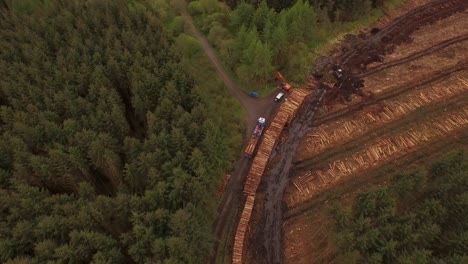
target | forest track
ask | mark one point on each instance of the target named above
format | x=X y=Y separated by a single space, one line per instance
x=414 y=56
x=254 y=108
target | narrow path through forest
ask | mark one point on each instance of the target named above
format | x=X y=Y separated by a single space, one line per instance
x=254 y=108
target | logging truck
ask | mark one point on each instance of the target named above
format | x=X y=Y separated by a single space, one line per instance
x=249 y=150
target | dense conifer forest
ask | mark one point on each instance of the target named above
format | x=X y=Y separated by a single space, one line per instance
x=110 y=149
x=114 y=133
x=420 y=217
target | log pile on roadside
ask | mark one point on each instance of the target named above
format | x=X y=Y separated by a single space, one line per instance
x=242 y=229
x=376 y=153
x=273 y=132
x=285 y=113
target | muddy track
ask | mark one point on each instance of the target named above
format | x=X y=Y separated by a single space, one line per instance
x=436 y=76
x=277 y=179
x=269 y=232
x=399 y=30
x=419 y=16
x=414 y=56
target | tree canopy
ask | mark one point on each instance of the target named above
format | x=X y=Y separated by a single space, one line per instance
x=110 y=151
x=419 y=218
x=256 y=38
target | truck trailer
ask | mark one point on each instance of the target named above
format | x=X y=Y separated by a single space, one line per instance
x=257 y=133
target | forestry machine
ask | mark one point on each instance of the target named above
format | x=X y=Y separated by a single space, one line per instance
x=347 y=84
x=283 y=84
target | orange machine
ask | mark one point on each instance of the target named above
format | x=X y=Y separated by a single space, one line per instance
x=283 y=85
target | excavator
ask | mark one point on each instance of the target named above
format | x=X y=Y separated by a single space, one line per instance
x=283 y=84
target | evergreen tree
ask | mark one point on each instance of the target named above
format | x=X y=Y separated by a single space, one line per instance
x=426 y=227
x=109 y=148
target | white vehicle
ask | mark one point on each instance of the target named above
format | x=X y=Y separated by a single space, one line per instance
x=279 y=97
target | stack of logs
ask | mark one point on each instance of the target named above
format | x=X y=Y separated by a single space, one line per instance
x=393 y=146
x=285 y=113
x=238 y=251
x=328 y=135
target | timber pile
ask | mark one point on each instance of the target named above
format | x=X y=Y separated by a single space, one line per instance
x=251 y=146
x=285 y=112
x=272 y=134
x=238 y=250
x=328 y=135
x=375 y=154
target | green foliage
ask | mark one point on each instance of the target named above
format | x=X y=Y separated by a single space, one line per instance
x=210 y=13
x=286 y=35
x=291 y=30
x=23 y=6
x=113 y=137
x=242 y=15
x=187 y=45
x=419 y=218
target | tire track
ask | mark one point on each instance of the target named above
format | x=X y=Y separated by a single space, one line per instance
x=437 y=76
x=414 y=56
x=399 y=30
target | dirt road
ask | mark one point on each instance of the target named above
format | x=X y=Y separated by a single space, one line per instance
x=278 y=179
x=254 y=108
